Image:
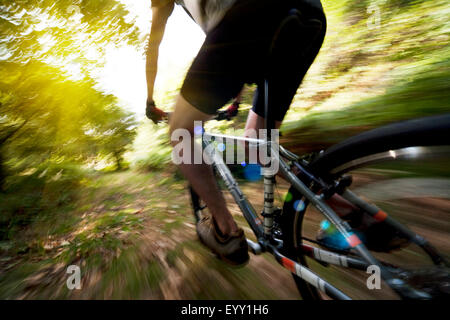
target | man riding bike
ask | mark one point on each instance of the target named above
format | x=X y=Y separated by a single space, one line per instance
x=239 y=35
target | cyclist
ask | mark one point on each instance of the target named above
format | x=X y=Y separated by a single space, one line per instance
x=239 y=35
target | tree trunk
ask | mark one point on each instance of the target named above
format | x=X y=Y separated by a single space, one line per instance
x=2 y=173
x=118 y=161
x=3 y=143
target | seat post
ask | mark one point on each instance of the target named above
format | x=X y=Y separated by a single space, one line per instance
x=268 y=175
x=269 y=178
x=293 y=19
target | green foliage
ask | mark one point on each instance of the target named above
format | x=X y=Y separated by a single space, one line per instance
x=50 y=107
x=367 y=76
x=53 y=118
x=425 y=95
x=151 y=149
x=114 y=220
x=37 y=191
x=64 y=30
x=46 y=116
x=141 y=276
x=90 y=246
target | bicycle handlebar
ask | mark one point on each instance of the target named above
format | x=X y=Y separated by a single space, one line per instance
x=227 y=114
x=224 y=115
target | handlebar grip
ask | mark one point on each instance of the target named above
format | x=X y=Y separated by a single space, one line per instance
x=229 y=113
x=155 y=114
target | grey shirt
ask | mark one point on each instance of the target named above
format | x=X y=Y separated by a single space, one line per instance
x=207 y=13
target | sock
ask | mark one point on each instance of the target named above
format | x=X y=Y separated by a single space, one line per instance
x=219 y=233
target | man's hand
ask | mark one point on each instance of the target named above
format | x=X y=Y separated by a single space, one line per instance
x=155 y=114
x=233 y=109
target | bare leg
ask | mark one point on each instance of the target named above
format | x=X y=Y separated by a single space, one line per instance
x=238 y=99
x=256 y=122
x=336 y=202
x=201 y=176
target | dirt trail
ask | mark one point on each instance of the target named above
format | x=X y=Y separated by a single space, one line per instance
x=133 y=237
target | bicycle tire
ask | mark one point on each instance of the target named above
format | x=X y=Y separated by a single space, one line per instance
x=430 y=131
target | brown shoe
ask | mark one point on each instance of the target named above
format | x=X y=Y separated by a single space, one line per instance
x=232 y=248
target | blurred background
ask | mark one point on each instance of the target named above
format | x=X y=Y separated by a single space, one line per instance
x=86 y=180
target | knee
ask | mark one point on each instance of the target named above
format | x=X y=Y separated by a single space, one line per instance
x=184 y=119
x=180 y=129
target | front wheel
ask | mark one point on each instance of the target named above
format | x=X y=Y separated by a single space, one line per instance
x=410 y=181
x=415 y=193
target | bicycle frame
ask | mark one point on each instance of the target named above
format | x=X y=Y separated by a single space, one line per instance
x=267 y=242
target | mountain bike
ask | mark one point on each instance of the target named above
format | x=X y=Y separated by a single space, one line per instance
x=316 y=177
x=377 y=160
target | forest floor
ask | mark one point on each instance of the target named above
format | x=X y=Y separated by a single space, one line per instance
x=132 y=234
x=133 y=237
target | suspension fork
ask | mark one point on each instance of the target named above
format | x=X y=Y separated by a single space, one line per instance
x=268 y=212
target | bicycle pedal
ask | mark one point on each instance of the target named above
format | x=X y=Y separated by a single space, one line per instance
x=254 y=247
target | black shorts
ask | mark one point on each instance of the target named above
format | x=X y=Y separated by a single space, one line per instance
x=235 y=53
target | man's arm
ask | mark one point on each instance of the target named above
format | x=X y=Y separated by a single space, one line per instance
x=161 y=11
